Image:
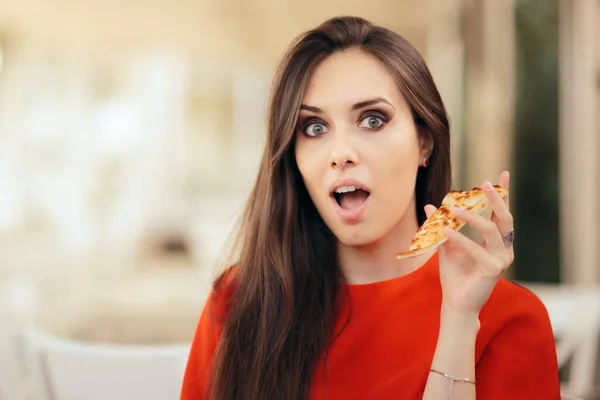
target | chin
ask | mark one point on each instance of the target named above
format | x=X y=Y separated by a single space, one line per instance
x=357 y=235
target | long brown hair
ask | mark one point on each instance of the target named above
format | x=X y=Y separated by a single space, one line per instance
x=281 y=313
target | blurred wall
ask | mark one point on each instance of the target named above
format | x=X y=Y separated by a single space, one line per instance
x=130 y=135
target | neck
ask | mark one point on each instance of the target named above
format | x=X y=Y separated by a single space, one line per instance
x=376 y=261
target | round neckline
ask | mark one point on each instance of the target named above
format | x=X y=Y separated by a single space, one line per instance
x=431 y=261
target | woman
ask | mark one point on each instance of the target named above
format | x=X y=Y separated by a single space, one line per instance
x=317 y=307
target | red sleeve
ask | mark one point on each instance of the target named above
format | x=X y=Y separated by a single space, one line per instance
x=203 y=347
x=519 y=362
x=204 y=344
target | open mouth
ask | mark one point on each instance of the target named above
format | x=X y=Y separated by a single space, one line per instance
x=350 y=197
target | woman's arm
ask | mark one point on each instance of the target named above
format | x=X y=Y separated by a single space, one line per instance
x=468 y=274
x=454 y=356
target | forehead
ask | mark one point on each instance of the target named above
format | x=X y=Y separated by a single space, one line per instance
x=350 y=76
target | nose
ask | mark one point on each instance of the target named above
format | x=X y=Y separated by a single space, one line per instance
x=343 y=154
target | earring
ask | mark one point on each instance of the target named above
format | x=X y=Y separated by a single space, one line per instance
x=425 y=162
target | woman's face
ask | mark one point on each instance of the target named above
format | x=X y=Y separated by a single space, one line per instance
x=357 y=148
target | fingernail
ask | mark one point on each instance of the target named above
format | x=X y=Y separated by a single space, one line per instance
x=457 y=210
x=489 y=185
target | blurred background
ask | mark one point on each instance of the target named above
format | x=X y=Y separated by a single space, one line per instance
x=131 y=131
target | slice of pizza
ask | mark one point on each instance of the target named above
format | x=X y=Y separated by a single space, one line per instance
x=431 y=234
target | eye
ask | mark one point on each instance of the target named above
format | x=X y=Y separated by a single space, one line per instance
x=371 y=122
x=315 y=129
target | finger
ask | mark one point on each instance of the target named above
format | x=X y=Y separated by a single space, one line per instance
x=504 y=181
x=499 y=207
x=429 y=210
x=491 y=234
x=494 y=218
x=477 y=252
x=493 y=266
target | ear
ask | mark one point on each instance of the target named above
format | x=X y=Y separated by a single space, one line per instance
x=426 y=143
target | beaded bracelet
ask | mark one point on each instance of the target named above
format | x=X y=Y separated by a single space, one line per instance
x=452 y=380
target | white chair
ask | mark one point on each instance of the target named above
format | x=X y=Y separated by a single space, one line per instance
x=11 y=373
x=575 y=317
x=61 y=369
x=567 y=397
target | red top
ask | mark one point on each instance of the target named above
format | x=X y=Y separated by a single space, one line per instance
x=386 y=349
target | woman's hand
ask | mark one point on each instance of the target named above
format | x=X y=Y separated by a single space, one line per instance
x=469 y=271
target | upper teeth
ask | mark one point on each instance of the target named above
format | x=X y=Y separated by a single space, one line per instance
x=346 y=189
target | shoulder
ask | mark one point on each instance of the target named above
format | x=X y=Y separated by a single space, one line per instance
x=512 y=304
x=206 y=337
x=515 y=326
x=222 y=291
x=515 y=296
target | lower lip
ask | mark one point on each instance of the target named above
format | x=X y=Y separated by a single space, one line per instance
x=351 y=216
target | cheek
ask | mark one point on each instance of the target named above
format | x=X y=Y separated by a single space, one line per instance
x=307 y=166
x=398 y=167
x=405 y=163
x=400 y=156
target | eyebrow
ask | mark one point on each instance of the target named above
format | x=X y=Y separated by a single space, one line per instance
x=371 y=102
x=355 y=107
